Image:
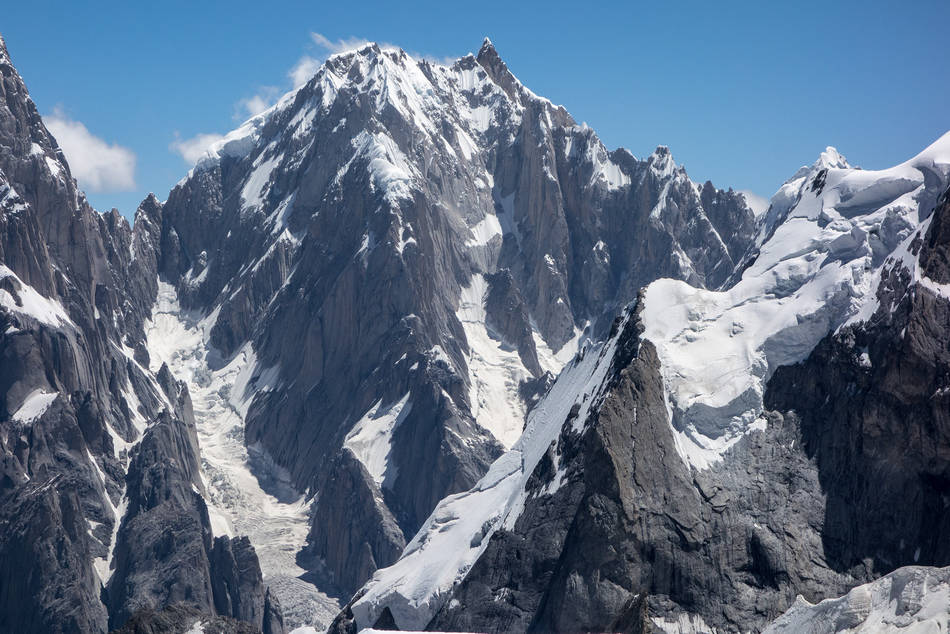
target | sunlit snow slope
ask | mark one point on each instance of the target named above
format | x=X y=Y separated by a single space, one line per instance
x=823 y=241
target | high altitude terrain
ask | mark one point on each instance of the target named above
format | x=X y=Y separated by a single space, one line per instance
x=413 y=349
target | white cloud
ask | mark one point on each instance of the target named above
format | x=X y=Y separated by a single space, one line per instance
x=97 y=165
x=250 y=106
x=338 y=46
x=305 y=68
x=758 y=204
x=192 y=149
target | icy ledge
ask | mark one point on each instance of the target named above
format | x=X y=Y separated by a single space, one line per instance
x=911 y=600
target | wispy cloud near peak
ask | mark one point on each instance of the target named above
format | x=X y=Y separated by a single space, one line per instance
x=99 y=166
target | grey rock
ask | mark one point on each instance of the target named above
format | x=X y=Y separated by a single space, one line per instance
x=631 y=524
x=353 y=530
x=47 y=583
x=181 y=617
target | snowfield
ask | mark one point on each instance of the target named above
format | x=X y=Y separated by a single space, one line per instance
x=822 y=244
x=911 y=600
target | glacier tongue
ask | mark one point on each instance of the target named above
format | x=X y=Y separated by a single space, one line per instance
x=275 y=520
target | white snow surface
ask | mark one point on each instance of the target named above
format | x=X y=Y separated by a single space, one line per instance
x=495 y=369
x=910 y=600
x=683 y=624
x=819 y=261
x=46 y=311
x=458 y=530
x=196 y=628
x=237 y=503
x=34 y=405
x=371 y=437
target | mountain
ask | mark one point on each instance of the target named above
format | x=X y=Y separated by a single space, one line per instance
x=725 y=450
x=395 y=261
x=413 y=349
x=101 y=497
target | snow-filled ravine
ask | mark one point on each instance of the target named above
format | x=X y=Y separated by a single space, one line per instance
x=275 y=520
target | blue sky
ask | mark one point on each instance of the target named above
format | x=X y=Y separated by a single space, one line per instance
x=743 y=94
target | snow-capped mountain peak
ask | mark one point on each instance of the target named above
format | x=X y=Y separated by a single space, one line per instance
x=831 y=159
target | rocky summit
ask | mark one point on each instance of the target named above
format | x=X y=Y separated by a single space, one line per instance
x=412 y=349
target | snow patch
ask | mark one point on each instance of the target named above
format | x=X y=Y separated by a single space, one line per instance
x=31 y=304
x=494 y=367
x=34 y=406
x=371 y=437
x=484 y=230
x=910 y=600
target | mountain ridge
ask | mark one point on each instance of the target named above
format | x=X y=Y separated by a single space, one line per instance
x=394 y=294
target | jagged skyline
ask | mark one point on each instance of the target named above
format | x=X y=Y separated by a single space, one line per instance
x=784 y=85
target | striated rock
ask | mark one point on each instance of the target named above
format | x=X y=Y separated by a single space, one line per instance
x=163 y=545
x=236 y=581
x=47 y=583
x=353 y=530
x=165 y=553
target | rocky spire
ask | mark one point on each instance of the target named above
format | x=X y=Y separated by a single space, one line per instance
x=497 y=69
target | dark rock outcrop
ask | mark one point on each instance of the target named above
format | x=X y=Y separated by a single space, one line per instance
x=165 y=553
x=631 y=531
x=47 y=583
x=353 y=530
x=182 y=617
x=873 y=401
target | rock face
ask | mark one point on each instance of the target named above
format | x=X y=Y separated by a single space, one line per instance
x=95 y=449
x=164 y=552
x=182 y=617
x=873 y=404
x=354 y=527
